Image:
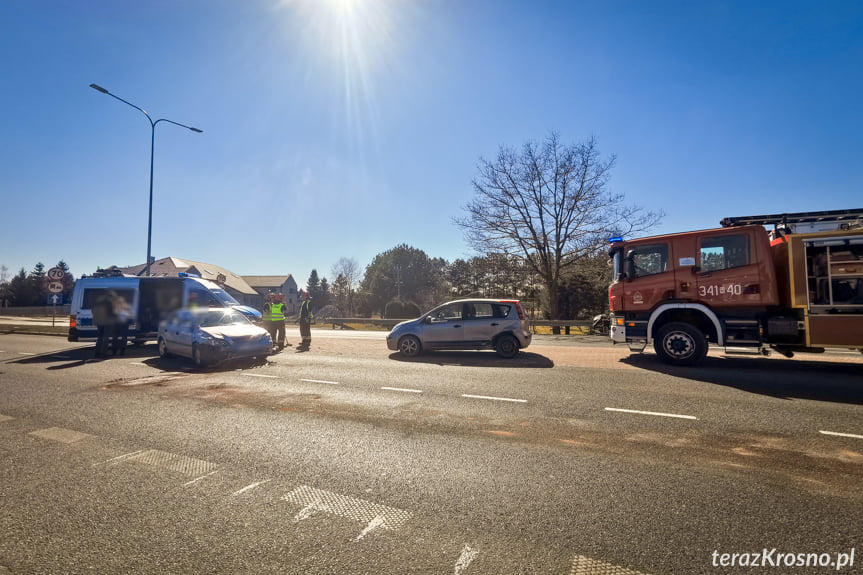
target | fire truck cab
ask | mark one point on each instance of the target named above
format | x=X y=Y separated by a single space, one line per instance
x=797 y=288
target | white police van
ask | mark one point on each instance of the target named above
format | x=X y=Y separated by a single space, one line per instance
x=151 y=299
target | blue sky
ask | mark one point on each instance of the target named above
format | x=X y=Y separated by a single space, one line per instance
x=342 y=128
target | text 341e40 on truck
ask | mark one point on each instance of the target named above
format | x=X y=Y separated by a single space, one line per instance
x=795 y=288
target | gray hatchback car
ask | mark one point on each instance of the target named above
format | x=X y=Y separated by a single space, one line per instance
x=465 y=324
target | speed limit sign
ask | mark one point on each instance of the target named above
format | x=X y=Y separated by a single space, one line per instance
x=56 y=274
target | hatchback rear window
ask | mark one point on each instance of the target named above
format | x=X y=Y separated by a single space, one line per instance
x=501 y=310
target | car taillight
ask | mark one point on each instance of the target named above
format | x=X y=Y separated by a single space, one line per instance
x=72 y=322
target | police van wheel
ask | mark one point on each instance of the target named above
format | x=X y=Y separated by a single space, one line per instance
x=680 y=343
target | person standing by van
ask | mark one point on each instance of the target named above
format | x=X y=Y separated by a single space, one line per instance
x=122 y=319
x=103 y=319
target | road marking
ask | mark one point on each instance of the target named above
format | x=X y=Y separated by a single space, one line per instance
x=250 y=487
x=199 y=478
x=171 y=461
x=375 y=516
x=119 y=458
x=60 y=434
x=261 y=375
x=320 y=381
x=582 y=565
x=468 y=554
x=403 y=389
x=650 y=413
x=138 y=363
x=494 y=398
x=836 y=433
x=25 y=353
x=5 y=417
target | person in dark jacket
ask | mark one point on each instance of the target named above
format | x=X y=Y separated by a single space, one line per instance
x=306 y=316
x=103 y=319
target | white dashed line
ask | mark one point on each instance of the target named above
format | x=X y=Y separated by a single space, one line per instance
x=402 y=389
x=261 y=375
x=25 y=353
x=199 y=478
x=678 y=416
x=494 y=398
x=320 y=381
x=249 y=487
x=138 y=363
x=836 y=433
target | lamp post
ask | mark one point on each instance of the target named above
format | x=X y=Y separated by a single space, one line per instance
x=152 y=149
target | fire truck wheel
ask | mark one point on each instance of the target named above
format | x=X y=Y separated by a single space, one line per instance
x=679 y=343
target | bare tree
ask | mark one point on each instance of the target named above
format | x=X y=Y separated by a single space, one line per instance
x=549 y=205
x=347 y=274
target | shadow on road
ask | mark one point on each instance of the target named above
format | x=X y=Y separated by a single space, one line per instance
x=793 y=379
x=477 y=359
x=147 y=354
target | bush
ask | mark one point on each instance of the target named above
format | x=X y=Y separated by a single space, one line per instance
x=327 y=312
x=401 y=310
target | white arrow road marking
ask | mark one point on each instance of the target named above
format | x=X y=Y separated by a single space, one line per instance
x=373 y=524
x=373 y=515
x=468 y=554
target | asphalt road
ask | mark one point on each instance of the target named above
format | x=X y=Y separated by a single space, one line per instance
x=574 y=458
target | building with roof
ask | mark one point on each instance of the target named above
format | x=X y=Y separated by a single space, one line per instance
x=285 y=285
x=239 y=287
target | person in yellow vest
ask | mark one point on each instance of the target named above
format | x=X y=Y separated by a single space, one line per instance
x=273 y=315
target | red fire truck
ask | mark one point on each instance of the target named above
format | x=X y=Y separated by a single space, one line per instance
x=795 y=288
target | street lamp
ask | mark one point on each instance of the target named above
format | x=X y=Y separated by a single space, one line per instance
x=152 y=148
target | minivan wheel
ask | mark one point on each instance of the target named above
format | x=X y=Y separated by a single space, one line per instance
x=506 y=346
x=196 y=356
x=409 y=346
x=163 y=348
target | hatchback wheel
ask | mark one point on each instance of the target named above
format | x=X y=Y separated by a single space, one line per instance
x=409 y=346
x=506 y=346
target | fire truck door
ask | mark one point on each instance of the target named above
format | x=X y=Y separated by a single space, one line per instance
x=728 y=273
x=651 y=275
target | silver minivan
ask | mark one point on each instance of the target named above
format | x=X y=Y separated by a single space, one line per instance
x=465 y=324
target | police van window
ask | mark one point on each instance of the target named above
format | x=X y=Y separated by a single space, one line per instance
x=201 y=297
x=649 y=260
x=92 y=294
x=725 y=252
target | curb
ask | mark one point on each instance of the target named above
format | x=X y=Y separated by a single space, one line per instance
x=9 y=328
